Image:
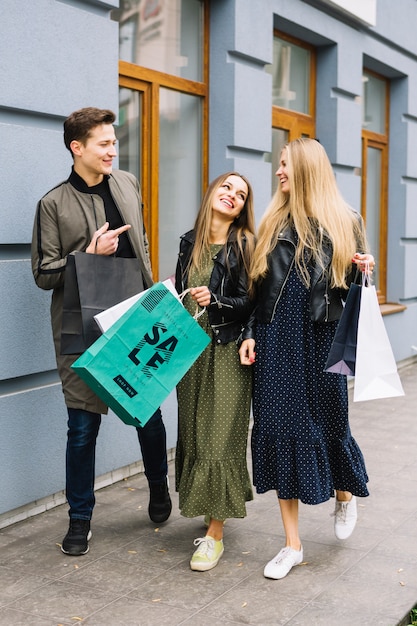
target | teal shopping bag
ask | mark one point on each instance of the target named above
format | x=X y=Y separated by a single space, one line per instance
x=140 y=359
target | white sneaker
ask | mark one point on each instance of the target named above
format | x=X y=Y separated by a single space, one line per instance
x=345 y=516
x=283 y=562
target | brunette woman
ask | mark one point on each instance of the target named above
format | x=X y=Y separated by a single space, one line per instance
x=214 y=397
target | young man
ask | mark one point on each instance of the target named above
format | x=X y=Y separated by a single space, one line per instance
x=98 y=211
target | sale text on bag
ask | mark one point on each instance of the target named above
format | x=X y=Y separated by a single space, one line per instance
x=161 y=354
x=140 y=358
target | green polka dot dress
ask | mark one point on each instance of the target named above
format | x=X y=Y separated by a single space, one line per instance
x=214 y=399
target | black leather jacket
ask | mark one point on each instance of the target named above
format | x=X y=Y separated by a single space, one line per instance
x=326 y=303
x=230 y=305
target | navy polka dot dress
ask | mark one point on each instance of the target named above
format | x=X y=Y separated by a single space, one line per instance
x=301 y=441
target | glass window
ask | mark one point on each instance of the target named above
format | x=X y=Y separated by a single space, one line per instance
x=180 y=149
x=290 y=76
x=373 y=203
x=129 y=131
x=163 y=116
x=375 y=172
x=163 y=35
x=374 y=103
x=279 y=139
x=293 y=101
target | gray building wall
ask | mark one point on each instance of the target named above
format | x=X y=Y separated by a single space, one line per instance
x=240 y=92
x=59 y=55
x=240 y=113
x=56 y=57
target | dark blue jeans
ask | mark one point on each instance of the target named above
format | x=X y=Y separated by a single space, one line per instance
x=83 y=427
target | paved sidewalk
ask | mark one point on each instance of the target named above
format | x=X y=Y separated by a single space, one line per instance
x=137 y=575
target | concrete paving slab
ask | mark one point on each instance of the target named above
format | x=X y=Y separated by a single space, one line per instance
x=137 y=574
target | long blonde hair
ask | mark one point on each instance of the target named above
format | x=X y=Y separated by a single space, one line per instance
x=315 y=208
x=241 y=227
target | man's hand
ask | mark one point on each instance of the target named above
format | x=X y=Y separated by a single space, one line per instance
x=106 y=241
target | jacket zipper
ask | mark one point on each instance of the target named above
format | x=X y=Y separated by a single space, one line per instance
x=224 y=277
x=285 y=281
x=120 y=213
x=326 y=297
x=123 y=220
x=94 y=211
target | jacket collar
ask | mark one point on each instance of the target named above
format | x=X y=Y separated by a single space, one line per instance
x=79 y=183
x=288 y=233
x=189 y=236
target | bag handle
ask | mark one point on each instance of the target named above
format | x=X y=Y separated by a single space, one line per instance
x=367 y=275
x=197 y=313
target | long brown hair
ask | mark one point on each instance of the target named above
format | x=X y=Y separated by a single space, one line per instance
x=315 y=208
x=242 y=227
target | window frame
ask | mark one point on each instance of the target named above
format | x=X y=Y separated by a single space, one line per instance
x=295 y=123
x=378 y=141
x=149 y=82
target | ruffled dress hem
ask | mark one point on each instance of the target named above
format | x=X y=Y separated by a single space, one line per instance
x=318 y=469
x=218 y=488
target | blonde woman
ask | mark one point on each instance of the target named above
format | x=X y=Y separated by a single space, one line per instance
x=310 y=244
x=214 y=397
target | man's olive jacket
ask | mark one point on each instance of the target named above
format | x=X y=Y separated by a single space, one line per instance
x=66 y=219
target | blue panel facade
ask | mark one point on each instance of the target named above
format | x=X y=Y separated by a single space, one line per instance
x=240 y=91
x=60 y=55
x=56 y=57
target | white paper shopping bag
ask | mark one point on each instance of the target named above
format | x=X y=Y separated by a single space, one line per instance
x=107 y=318
x=376 y=374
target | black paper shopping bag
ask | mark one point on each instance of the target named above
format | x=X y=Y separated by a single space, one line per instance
x=93 y=283
x=342 y=354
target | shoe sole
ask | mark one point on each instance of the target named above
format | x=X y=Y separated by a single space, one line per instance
x=78 y=553
x=204 y=567
x=273 y=576
x=343 y=536
x=159 y=520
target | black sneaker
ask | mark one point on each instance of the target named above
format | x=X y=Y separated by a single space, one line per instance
x=160 y=504
x=76 y=540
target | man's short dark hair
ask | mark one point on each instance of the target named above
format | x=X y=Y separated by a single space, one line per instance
x=78 y=125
